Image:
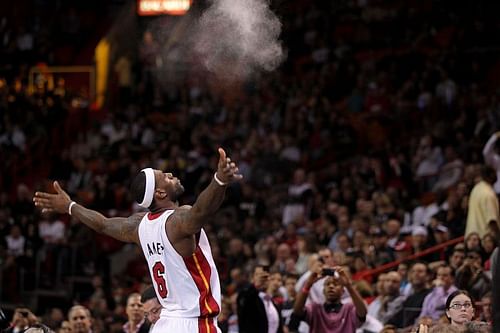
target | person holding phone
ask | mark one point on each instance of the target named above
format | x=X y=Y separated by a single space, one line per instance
x=324 y=258
x=331 y=316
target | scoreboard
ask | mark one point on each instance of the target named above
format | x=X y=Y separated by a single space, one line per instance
x=163 y=7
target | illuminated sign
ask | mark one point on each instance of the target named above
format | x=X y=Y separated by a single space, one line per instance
x=159 y=7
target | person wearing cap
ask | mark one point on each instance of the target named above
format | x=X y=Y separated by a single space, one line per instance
x=419 y=238
x=172 y=238
x=420 y=242
x=402 y=250
x=441 y=233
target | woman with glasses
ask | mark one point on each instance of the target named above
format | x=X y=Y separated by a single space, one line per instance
x=459 y=308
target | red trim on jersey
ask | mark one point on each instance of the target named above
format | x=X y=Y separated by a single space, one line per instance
x=154 y=216
x=200 y=271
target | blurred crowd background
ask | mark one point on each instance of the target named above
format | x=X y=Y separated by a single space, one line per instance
x=366 y=144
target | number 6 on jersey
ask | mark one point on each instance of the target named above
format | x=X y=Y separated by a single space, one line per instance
x=161 y=284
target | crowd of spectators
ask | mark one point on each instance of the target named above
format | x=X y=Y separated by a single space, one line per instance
x=362 y=149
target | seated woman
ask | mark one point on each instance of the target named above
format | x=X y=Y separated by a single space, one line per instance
x=460 y=310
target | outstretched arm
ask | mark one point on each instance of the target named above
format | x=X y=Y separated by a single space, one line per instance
x=124 y=229
x=120 y=228
x=189 y=222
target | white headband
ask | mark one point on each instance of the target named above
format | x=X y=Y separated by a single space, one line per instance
x=149 y=191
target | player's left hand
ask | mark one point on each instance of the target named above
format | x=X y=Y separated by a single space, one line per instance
x=48 y=202
x=227 y=170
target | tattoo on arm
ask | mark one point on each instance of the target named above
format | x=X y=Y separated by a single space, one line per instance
x=120 y=228
x=126 y=230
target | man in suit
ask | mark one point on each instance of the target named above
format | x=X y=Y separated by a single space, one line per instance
x=136 y=323
x=256 y=311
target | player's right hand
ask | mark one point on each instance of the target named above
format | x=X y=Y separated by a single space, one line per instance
x=48 y=202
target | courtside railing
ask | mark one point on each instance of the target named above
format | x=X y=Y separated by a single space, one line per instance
x=388 y=266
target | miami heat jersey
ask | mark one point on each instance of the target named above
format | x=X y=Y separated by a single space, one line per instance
x=187 y=287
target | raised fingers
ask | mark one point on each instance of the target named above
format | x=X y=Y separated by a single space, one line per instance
x=59 y=189
x=43 y=195
x=43 y=200
x=237 y=176
x=230 y=166
x=39 y=201
x=227 y=166
x=222 y=157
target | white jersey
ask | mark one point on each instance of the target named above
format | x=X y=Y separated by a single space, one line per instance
x=186 y=287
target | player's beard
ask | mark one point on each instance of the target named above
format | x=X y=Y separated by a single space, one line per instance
x=177 y=192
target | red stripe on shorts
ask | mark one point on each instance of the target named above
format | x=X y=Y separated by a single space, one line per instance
x=206 y=325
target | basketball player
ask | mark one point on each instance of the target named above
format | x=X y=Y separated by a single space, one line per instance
x=173 y=241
